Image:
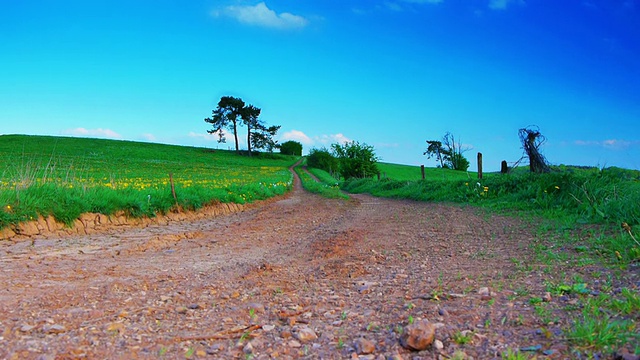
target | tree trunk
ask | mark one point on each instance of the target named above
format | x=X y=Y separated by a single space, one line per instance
x=235 y=135
x=249 y=137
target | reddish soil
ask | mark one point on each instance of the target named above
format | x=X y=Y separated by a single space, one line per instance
x=252 y=283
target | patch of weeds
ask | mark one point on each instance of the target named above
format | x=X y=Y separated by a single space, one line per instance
x=535 y=300
x=561 y=288
x=629 y=304
x=602 y=333
x=545 y=314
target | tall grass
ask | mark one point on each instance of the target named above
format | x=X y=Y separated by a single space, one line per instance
x=66 y=177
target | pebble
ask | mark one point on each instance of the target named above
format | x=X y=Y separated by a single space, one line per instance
x=294 y=344
x=364 y=346
x=26 y=328
x=248 y=348
x=54 y=329
x=438 y=345
x=305 y=334
x=546 y=297
x=267 y=328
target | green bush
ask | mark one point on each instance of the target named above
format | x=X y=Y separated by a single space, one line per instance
x=356 y=160
x=322 y=159
x=291 y=148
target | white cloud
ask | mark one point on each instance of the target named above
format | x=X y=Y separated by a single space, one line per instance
x=609 y=144
x=214 y=137
x=261 y=15
x=149 y=137
x=296 y=135
x=503 y=4
x=330 y=139
x=101 y=133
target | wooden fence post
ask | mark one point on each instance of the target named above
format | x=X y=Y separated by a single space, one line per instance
x=503 y=167
x=480 y=165
x=173 y=188
x=422 y=170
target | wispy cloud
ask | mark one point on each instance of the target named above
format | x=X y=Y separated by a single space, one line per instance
x=100 y=133
x=261 y=15
x=615 y=144
x=503 y=4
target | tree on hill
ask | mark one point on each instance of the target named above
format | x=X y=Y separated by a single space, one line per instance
x=225 y=116
x=448 y=152
x=356 y=160
x=233 y=112
x=435 y=149
x=291 y=148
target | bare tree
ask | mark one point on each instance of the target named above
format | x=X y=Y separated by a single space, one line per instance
x=531 y=140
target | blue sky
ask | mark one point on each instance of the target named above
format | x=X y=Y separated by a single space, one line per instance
x=389 y=73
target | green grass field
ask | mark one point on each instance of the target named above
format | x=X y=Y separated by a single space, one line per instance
x=65 y=177
x=413 y=173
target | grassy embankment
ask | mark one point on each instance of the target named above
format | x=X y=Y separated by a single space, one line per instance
x=584 y=217
x=66 y=177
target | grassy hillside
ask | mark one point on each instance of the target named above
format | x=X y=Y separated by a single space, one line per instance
x=413 y=173
x=65 y=177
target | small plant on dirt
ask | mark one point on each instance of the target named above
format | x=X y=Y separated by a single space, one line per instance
x=514 y=355
x=244 y=336
x=163 y=350
x=411 y=320
x=343 y=316
x=189 y=353
x=462 y=338
x=340 y=343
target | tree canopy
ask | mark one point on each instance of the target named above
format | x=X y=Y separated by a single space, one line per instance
x=225 y=116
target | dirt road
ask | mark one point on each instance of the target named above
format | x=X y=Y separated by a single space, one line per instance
x=300 y=277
